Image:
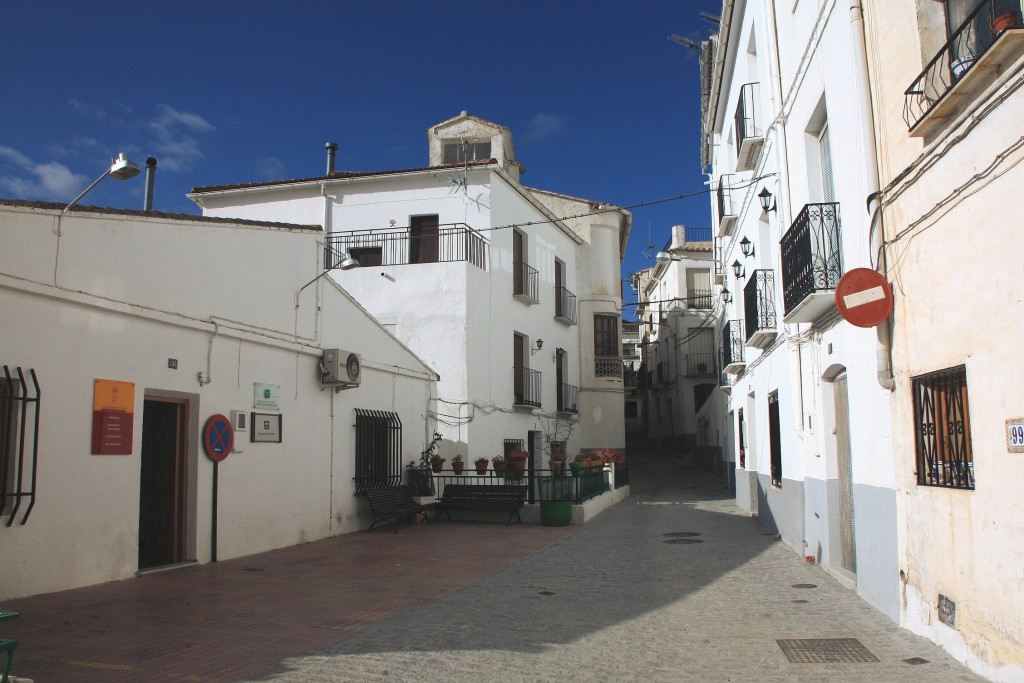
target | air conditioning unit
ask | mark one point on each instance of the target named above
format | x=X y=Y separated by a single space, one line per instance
x=341 y=368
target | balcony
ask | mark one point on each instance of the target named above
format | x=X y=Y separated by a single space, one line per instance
x=727 y=212
x=699 y=364
x=524 y=283
x=732 y=347
x=663 y=373
x=526 y=387
x=568 y=398
x=970 y=61
x=719 y=268
x=811 y=263
x=749 y=128
x=698 y=299
x=565 y=306
x=759 y=309
x=725 y=381
x=447 y=243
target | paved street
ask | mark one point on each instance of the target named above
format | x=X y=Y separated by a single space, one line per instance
x=621 y=599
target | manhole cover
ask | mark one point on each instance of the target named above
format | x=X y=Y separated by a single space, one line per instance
x=682 y=541
x=915 y=661
x=682 y=534
x=825 y=650
x=805 y=585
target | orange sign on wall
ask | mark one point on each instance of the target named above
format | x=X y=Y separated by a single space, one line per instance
x=113 y=413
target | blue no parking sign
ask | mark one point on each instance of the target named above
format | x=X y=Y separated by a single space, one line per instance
x=218 y=437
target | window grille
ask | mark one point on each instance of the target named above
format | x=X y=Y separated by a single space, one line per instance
x=19 y=440
x=513 y=445
x=378 y=450
x=942 y=434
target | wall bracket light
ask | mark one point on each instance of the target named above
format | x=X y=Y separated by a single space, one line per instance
x=766 y=199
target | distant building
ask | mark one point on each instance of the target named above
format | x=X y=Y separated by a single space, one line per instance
x=677 y=322
x=631 y=366
x=131 y=330
x=512 y=294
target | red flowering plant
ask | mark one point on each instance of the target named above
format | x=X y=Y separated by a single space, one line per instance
x=611 y=456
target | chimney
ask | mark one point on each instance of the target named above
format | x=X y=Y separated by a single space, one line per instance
x=147 y=202
x=332 y=149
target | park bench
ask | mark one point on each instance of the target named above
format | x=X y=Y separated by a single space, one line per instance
x=389 y=505
x=484 y=498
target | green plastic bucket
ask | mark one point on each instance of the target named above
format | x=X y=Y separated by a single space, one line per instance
x=556 y=513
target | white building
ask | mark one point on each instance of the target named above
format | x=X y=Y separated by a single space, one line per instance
x=677 y=314
x=138 y=327
x=786 y=106
x=512 y=294
x=947 y=84
x=632 y=360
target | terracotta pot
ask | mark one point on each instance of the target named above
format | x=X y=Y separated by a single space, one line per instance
x=557 y=466
x=457 y=467
x=481 y=467
x=1005 y=21
x=437 y=465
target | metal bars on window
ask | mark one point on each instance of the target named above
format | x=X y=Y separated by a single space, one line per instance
x=524 y=281
x=759 y=302
x=526 y=387
x=811 y=256
x=19 y=411
x=942 y=434
x=378 y=450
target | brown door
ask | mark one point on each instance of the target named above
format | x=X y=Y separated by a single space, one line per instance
x=423 y=240
x=559 y=267
x=560 y=389
x=163 y=483
x=519 y=364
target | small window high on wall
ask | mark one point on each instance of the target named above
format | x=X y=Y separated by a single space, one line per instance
x=457 y=152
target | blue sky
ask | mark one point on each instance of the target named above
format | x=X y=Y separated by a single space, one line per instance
x=601 y=104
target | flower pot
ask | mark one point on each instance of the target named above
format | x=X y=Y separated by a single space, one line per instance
x=1005 y=21
x=499 y=470
x=577 y=468
x=481 y=467
x=557 y=467
x=437 y=465
x=556 y=513
x=457 y=467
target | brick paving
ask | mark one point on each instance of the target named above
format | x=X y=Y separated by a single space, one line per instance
x=611 y=601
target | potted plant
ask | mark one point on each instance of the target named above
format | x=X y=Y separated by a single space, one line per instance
x=436 y=463
x=517 y=462
x=481 y=466
x=457 y=464
x=420 y=481
x=557 y=464
x=499 y=464
x=577 y=464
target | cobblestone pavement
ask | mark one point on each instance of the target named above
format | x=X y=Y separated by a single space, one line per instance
x=618 y=602
x=612 y=601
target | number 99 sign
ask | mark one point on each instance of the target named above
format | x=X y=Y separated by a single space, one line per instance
x=1015 y=435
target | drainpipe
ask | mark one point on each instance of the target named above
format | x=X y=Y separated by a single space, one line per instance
x=869 y=166
x=785 y=212
x=147 y=202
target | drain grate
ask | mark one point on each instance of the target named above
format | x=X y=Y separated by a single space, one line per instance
x=915 y=661
x=252 y=569
x=804 y=585
x=546 y=593
x=800 y=602
x=825 y=650
x=682 y=534
x=683 y=541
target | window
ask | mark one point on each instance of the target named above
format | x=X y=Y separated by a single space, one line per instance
x=8 y=443
x=367 y=256
x=378 y=450
x=606 y=336
x=423 y=239
x=942 y=429
x=457 y=152
x=698 y=288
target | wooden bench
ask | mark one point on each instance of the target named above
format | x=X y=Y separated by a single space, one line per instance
x=484 y=498
x=391 y=504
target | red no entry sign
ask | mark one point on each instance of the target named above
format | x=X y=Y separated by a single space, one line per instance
x=218 y=437
x=863 y=297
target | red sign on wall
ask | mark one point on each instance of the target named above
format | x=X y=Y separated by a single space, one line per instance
x=113 y=417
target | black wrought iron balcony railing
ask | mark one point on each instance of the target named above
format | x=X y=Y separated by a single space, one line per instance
x=568 y=398
x=732 y=346
x=524 y=282
x=446 y=243
x=965 y=48
x=526 y=387
x=565 y=305
x=726 y=206
x=811 y=263
x=749 y=127
x=759 y=308
x=700 y=363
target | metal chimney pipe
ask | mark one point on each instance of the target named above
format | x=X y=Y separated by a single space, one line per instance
x=147 y=202
x=332 y=149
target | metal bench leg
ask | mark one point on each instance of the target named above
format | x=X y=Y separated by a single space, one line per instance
x=7 y=646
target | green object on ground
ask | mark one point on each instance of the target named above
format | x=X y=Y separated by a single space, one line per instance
x=556 y=513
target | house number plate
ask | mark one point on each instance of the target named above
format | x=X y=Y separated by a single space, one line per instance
x=1015 y=435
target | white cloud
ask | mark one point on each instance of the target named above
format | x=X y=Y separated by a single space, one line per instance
x=270 y=168
x=87 y=109
x=48 y=181
x=542 y=126
x=177 y=149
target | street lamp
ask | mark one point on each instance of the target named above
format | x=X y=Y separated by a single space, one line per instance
x=120 y=168
x=747 y=247
x=765 y=197
x=663 y=257
x=726 y=296
x=737 y=269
